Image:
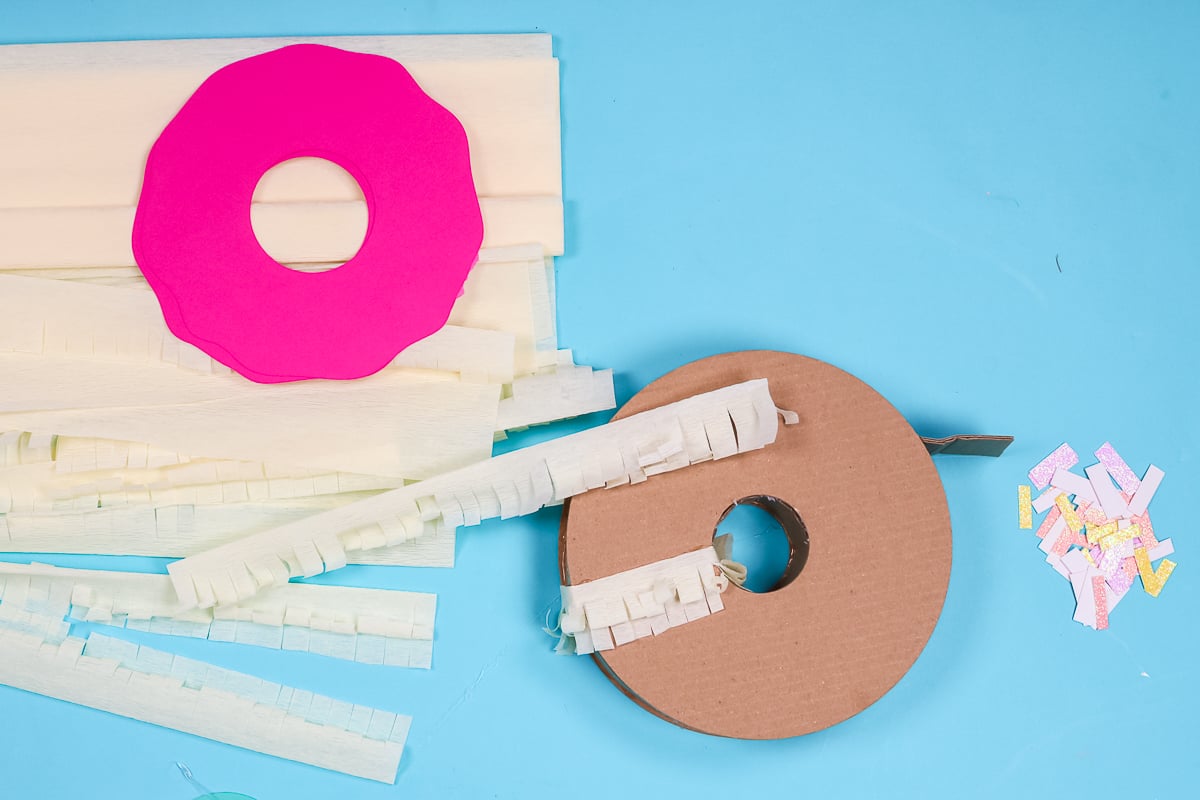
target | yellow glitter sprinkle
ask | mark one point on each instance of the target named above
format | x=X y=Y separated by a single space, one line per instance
x=1097 y=532
x=1068 y=513
x=1088 y=555
x=1152 y=580
x=1114 y=539
x=1025 y=507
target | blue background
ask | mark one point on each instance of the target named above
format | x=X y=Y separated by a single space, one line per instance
x=883 y=186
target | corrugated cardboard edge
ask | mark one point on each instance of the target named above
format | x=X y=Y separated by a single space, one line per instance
x=831 y=643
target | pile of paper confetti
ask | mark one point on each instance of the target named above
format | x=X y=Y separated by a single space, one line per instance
x=1097 y=534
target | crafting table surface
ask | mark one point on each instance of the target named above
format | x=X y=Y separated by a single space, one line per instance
x=989 y=214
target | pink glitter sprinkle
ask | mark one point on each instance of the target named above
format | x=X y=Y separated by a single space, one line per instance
x=1120 y=581
x=1092 y=514
x=1129 y=567
x=1065 y=540
x=1111 y=560
x=1149 y=540
x=1117 y=468
x=1048 y=522
x=1064 y=457
x=1100 y=593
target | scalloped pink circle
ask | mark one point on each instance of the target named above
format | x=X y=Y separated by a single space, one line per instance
x=219 y=289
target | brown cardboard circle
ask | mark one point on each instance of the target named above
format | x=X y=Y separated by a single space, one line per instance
x=838 y=637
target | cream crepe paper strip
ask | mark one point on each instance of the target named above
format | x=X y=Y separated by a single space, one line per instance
x=713 y=425
x=509 y=291
x=95 y=474
x=645 y=601
x=194 y=697
x=123 y=94
x=508 y=106
x=88 y=472
x=59 y=318
x=179 y=531
x=295 y=233
x=567 y=391
x=372 y=626
x=69 y=494
x=419 y=438
x=386 y=425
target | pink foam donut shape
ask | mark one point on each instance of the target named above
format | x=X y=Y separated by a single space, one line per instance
x=220 y=290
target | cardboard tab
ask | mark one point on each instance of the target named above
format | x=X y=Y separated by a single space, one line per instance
x=967 y=444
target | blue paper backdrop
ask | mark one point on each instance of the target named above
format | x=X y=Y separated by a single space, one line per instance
x=883 y=186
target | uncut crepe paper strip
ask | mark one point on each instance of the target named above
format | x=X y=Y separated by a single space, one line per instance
x=307 y=234
x=503 y=88
x=51 y=317
x=508 y=293
x=506 y=97
x=710 y=426
x=193 y=697
x=372 y=626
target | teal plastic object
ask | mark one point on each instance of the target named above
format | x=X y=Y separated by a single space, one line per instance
x=186 y=772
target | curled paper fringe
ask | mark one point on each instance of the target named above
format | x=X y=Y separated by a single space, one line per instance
x=373 y=626
x=645 y=601
x=191 y=696
x=709 y=426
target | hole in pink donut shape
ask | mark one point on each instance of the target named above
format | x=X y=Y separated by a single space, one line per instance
x=218 y=288
x=305 y=236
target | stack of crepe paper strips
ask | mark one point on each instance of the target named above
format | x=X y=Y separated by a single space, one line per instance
x=117 y=438
x=1096 y=533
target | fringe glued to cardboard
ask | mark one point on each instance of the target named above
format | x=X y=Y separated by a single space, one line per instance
x=641 y=602
x=710 y=426
x=843 y=626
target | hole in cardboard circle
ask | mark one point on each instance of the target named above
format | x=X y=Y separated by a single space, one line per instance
x=296 y=235
x=769 y=538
